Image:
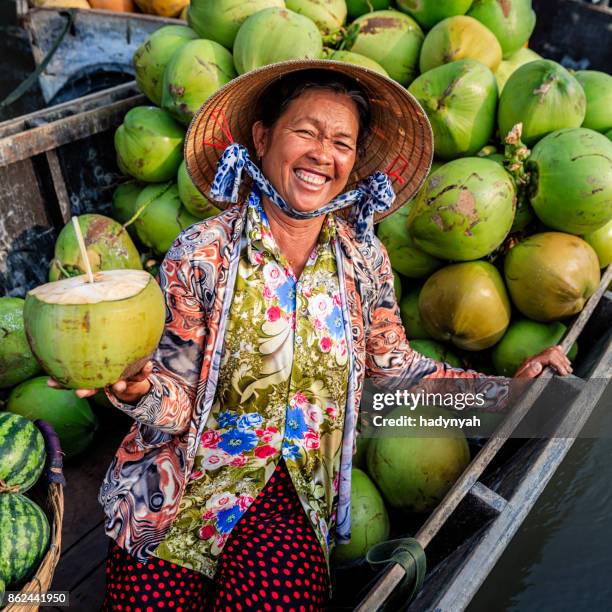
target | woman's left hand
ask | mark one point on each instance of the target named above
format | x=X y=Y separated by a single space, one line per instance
x=553 y=357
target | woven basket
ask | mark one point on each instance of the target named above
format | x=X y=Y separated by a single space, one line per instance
x=54 y=509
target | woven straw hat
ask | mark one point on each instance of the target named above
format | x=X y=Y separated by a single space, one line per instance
x=400 y=140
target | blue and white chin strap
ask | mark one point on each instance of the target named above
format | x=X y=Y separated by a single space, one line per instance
x=372 y=194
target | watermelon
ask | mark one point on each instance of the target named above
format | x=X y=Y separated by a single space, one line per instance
x=22 y=452
x=69 y=415
x=25 y=538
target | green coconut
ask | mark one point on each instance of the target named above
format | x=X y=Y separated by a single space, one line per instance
x=411 y=317
x=608 y=134
x=524 y=214
x=108 y=246
x=149 y=144
x=369 y=519
x=511 y=64
x=597 y=88
x=456 y=38
x=220 y=20
x=275 y=35
x=571 y=180
x=17 y=363
x=414 y=472
x=328 y=15
x=390 y=38
x=430 y=12
x=163 y=217
x=544 y=97
x=195 y=72
x=601 y=241
x=194 y=202
x=464 y=211
x=89 y=335
x=359 y=60
x=406 y=258
x=357 y=8
x=466 y=304
x=551 y=275
x=153 y=55
x=512 y=21
x=69 y=415
x=524 y=339
x=460 y=100
x=436 y=350
x=123 y=206
x=361 y=450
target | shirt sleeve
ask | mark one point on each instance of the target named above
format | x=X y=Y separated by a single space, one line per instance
x=390 y=361
x=178 y=359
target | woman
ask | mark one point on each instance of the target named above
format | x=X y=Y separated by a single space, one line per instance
x=234 y=482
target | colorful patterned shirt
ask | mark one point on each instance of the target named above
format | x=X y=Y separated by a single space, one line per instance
x=281 y=393
x=147 y=478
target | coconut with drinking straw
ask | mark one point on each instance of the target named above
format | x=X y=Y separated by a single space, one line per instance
x=92 y=330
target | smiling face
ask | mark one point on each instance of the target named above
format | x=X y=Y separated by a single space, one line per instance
x=309 y=153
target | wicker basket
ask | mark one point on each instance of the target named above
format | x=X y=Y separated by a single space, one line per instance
x=54 y=508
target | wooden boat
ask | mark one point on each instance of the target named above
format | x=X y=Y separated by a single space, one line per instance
x=60 y=161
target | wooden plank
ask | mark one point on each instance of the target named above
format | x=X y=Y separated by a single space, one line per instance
x=81 y=561
x=59 y=185
x=488 y=497
x=27 y=233
x=84 y=476
x=69 y=129
x=89 y=593
x=66 y=109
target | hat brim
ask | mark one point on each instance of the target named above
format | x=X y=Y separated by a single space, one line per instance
x=400 y=139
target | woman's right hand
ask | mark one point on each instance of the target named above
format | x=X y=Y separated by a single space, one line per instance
x=129 y=390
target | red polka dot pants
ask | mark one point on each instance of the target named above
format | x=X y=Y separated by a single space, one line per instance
x=272 y=561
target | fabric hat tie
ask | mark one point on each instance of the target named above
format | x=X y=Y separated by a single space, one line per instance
x=372 y=194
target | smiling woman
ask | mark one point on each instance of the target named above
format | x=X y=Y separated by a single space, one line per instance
x=307 y=141
x=238 y=466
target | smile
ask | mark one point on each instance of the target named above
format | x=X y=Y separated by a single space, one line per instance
x=310 y=177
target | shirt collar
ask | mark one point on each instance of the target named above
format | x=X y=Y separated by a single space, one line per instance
x=259 y=235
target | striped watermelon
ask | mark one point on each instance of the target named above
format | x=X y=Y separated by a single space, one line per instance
x=25 y=538
x=22 y=451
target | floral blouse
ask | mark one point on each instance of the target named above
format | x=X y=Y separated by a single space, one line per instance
x=281 y=394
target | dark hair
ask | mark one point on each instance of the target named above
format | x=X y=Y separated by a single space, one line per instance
x=275 y=99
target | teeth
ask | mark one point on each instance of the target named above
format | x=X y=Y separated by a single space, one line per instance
x=307 y=177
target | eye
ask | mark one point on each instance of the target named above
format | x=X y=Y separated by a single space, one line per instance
x=343 y=145
x=306 y=132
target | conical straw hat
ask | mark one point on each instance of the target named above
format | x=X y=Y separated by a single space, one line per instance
x=400 y=139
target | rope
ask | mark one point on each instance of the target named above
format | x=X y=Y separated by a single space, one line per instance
x=4 y=488
x=24 y=86
x=408 y=553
